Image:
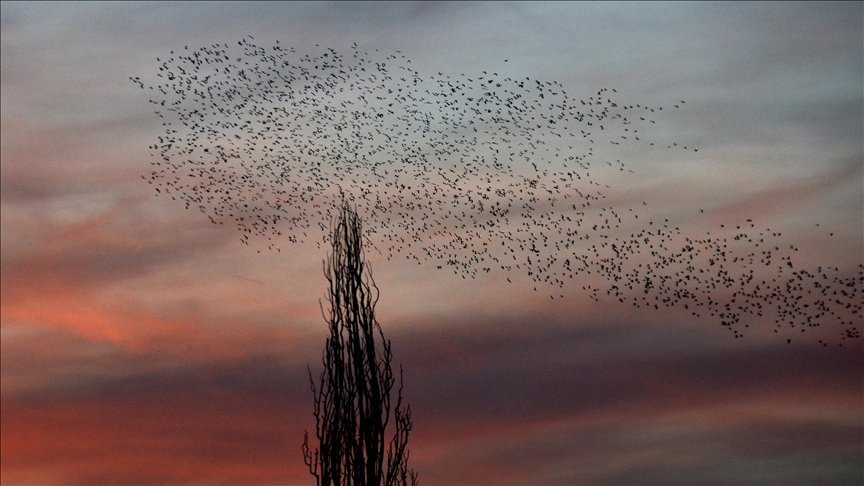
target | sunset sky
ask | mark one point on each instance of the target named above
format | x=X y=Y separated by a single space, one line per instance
x=143 y=345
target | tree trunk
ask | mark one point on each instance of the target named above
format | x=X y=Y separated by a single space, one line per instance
x=353 y=401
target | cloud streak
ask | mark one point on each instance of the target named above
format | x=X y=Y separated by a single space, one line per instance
x=492 y=406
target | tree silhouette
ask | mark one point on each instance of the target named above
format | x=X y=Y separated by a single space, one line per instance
x=353 y=400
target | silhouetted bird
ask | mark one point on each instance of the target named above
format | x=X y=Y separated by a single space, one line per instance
x=475 y=174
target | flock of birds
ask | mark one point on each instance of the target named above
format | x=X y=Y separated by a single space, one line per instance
x=469 y=173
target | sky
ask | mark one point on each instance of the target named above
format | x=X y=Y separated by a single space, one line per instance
x=142 y=344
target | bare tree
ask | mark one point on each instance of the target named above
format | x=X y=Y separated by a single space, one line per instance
x=353 y=400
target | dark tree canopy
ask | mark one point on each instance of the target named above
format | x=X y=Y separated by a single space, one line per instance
x=353 y=398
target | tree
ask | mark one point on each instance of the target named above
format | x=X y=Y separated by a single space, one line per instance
x=353 y=401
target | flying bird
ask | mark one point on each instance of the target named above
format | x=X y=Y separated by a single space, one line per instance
x=471 y=173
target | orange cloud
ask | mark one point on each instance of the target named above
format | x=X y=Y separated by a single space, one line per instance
x=175 y=437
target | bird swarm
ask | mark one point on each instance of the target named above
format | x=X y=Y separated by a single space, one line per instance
x=474 y=174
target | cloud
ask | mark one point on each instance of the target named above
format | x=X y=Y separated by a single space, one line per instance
x=127 y=274
x=140 y=344
x=496 y=404
x=789 y=196
x=502 y=405
x=534 y=368
x=212 y=424
x=104 y=248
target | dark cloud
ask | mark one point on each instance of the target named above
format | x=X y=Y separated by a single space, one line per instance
x=552 y=371
x=704 y=448
x=514 y=407
x=495 y=405
x=213 y=425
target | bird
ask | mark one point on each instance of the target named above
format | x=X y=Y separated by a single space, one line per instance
x=470 y=173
